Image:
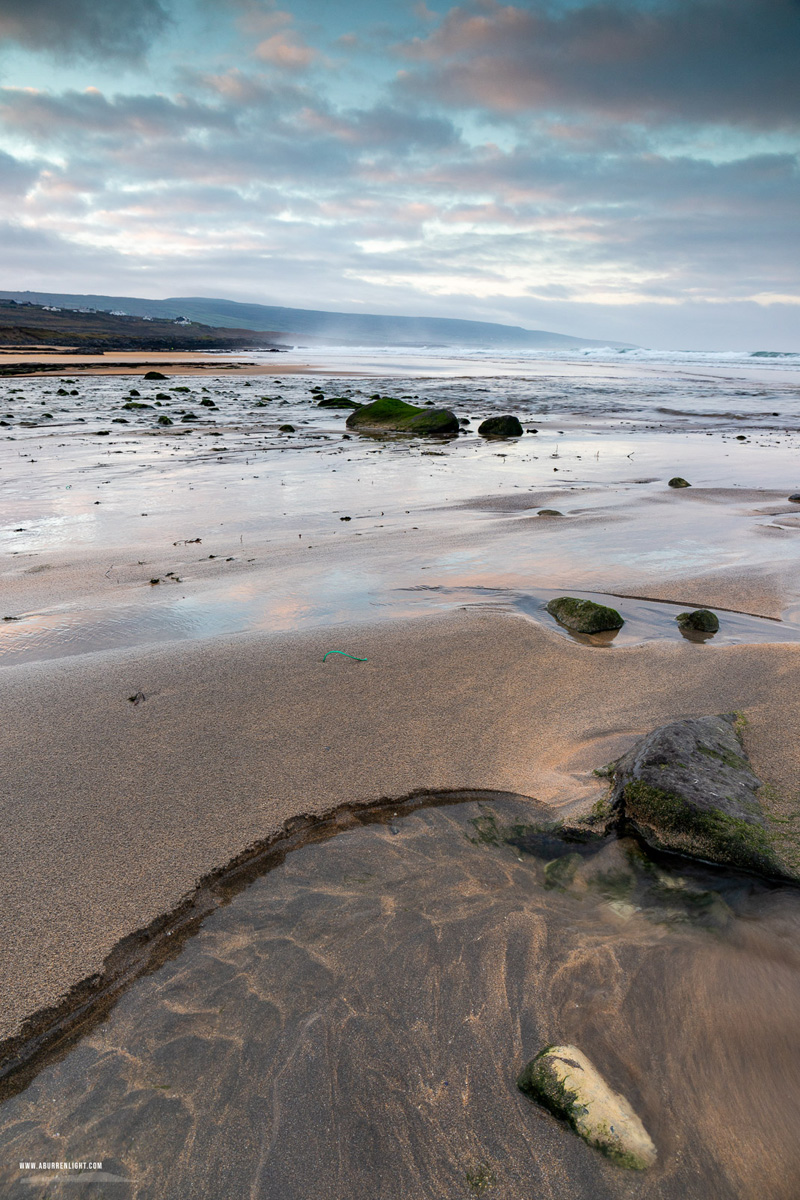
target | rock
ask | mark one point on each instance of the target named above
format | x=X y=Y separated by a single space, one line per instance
x=500 y=427
x=339 y=402
x=386 y=415
x=559 y=873
x=795 y=497
x=549 y=512
x=132 y=404
x=164 y=420
x=155 y=375
x=286 y=428
x=584 y=616
x=677 y=482
x=702 y=619
x=564 y=1081
x=688 y=787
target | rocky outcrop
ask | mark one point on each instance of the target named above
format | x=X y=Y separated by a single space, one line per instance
x=500 y=427
x=563 y=1080
x=386 y=415
x=584 y=616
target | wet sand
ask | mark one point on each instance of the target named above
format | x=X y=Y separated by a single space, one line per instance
x=113 y=810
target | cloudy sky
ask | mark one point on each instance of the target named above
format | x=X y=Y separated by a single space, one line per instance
x=613 y=168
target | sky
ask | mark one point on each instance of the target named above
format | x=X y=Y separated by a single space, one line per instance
x=621 y=169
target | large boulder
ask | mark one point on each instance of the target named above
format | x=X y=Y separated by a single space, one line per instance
x=584 y=616
x=688 y=787
x=564 y=1081
x=500 y=427
x=386 y=415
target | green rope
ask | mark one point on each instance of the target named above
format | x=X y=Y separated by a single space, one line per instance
x=346 y=655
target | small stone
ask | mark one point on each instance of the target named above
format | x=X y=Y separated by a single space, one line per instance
x=702 y=619
x=286 y=428
x=500 y=427
x=549 y=512
x=795 y=497
x=584 y=616
x=564 y=1081
x=677 y=482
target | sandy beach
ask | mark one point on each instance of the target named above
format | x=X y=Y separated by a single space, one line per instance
x=166 y=703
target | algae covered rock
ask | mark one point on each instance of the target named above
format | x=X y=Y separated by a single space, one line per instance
x=386 y=415
x=500 y=427
x=155 y=375
x=688 y=787
x=702 y=620
x=677 y=482
x=584 y=616
x=564 y=1081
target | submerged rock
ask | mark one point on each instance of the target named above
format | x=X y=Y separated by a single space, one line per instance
x=386 y=415
x=549 y=512
x=339 y=402
x=560 y=873
x=702 y=620
x=500 y=427
x=688 y=787
x=677 y=482
x=564 y=1081
x=584 y=616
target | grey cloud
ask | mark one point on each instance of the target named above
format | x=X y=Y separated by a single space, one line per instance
x=700 y=60
x=83 y=28
x=84 y=114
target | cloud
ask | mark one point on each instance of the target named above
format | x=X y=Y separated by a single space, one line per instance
x=92 y=29
x=285 y=50
x=730 y=61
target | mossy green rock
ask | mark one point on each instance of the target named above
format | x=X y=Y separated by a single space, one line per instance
x=500 y=427
x=386 y=415
x=155 y=375
x=339 y=402
x=688 y=787
x=564 y=1081
x=677 y=482
x=702 y=620
x=584 y=616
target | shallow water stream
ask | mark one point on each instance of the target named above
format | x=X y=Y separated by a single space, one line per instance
x=352 y=1023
